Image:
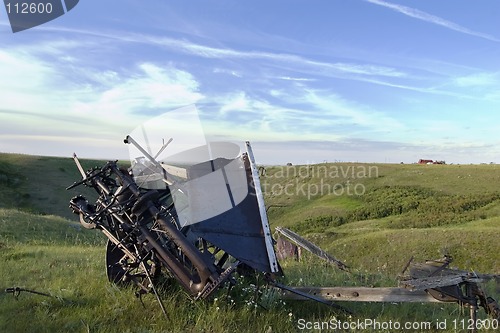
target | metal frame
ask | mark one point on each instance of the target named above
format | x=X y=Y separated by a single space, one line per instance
x=262 y=210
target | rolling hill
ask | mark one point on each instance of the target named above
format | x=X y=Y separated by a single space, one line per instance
x=372 y=217
x=358 y=211
x=379 y=215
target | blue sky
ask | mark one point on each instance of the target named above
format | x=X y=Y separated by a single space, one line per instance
x=304 y=81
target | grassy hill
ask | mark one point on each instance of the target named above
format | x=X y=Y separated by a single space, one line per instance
x=380 y=215
x=37 y=183
x=373 y=217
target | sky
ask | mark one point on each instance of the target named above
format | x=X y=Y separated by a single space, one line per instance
x=303 y=81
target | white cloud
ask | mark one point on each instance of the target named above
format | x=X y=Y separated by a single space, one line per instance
x=28 y=83
x=31 y=84
x=20 y=71
x=44 y=97
x=152 y=87
x=477 y=79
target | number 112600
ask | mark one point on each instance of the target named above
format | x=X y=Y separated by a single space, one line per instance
x=29 y=8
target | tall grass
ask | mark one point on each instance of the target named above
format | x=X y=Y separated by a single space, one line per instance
x=52 y=255
x=71 y=268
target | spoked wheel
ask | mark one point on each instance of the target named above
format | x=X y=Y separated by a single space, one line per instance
x=114 y=269
x=123 y=270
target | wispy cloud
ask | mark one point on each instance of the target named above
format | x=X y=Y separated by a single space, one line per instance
x=276 y=96
x=354 y=116
x=298 y=67
x=301 y=113
x=227 y=71
x=433 y=90
x=211 y=52
x=421 y=15
x=288 y=78
x=221 y=53
x=478 y=79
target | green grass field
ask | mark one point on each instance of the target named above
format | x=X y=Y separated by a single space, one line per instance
x=373 y=217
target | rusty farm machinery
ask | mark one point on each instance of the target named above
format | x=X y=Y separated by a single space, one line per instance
x=196 y=215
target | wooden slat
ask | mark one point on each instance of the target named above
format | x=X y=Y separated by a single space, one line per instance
x=363 y=294
x=419 y=270
x=432 y=282
x=311 y=247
